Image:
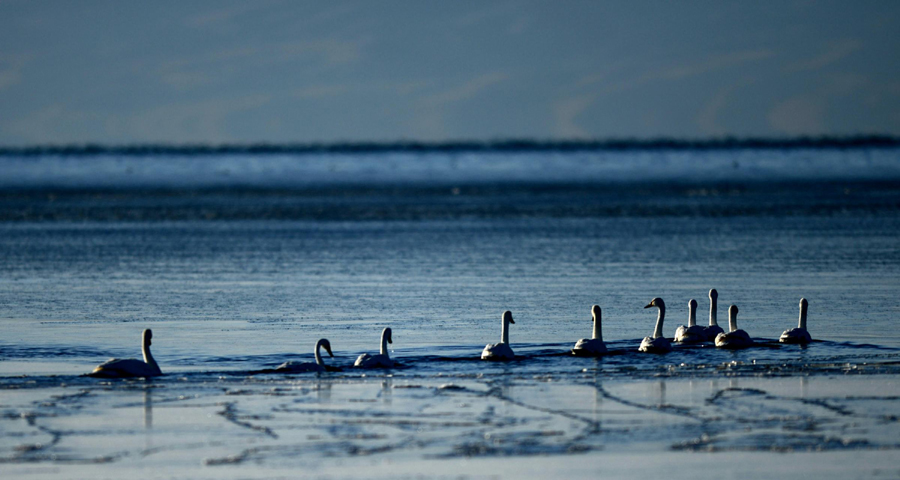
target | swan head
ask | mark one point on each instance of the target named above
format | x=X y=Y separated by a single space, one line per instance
x=803 y=303
x=148 y=335
x=656 y=302
x=733 y=310
x=692 y=304
x=713 y=294
x=595 y=311
x=507 y=317
x=387 y=334
x=327 y=346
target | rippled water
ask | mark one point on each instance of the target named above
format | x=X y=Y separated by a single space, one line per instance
x=235 y=280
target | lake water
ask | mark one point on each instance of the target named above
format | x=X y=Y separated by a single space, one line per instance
x=240 y=262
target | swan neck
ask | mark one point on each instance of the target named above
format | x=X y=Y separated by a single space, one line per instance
x=692 y=316
x=148 y=357
x=713 y=317
x=384 y=350
x=658 y=332
x=504 y=331
x=597 y=334
x=732 y=322
x=319 y=354
x=803 y=317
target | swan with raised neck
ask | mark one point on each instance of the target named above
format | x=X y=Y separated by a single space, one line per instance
x=123 y=368
x=713 y=329
x=735 y=338
x=502 y=350
x=383 y=359
x=301 y=367
x=692 y=333
x=800 y=334
x=657 y=343
x=594 y=346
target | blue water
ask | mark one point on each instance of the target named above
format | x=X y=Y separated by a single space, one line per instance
x=239 y=263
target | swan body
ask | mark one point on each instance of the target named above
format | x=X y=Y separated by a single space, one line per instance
x=713 y=329
x=657 y=343
x=125 y=368
x=382 y=360
x=502 y=350
x=594 y=346
x=735 y=339
x=303 y=367
x=692 y=333
x=800 y=334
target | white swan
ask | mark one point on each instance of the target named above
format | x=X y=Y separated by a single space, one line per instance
x=657 y=343
x=382 y=360
x=734 y=339
x=594 y=346
x=800 y=334
x=713 y=329
x=292 y=366
x=500 y=351
x=692 y=333
x=129 y=367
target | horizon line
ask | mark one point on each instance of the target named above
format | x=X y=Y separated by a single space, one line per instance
x=511 y=145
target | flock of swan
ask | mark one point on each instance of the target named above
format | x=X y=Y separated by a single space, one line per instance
x=589 y=347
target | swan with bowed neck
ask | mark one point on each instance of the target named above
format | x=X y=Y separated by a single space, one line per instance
x=713 y=329
x=657 y=343
x=594 y=346
x=735 y=339
x=382 y=360
x=800 y=334
x=302 y=367
x=691 y=333
x=124 y=368
x=500 y=351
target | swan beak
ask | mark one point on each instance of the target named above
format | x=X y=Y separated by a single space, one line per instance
x=328 y=349
x=511 y=320
x=649 y=305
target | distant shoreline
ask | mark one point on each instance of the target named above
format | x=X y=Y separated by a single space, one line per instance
x=462 y=146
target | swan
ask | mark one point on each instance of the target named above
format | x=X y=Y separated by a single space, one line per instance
x=734 y=339
x=713 y=329
x=657 y=343
x=382 y=360
x=594 y=346
x=129 y=367
x=301 y=367
x=692 y=333
x=799 y=334
x=500 y=351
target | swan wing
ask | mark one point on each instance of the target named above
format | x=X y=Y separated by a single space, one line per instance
x=497 y=351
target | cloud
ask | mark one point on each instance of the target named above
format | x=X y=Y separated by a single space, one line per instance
x=566 y=114
x=465 y=91
x=835 y=53
x=708 y=118
x=680 y=72
x=801 y=115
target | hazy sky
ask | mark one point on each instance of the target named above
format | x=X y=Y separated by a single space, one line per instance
x=215 y=71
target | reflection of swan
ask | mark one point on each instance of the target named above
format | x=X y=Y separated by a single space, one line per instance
x=301 y=367
x=713 y=329
x=382 y=360
x=594 y=346
x=799 y=334
x=500 y=351
x=119 y=368
x=692 y=333
x=657 y=343
x=735 y=338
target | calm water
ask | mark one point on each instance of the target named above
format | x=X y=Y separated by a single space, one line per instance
x=241 y=263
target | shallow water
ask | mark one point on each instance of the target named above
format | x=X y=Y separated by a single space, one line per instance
x=236 y=280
